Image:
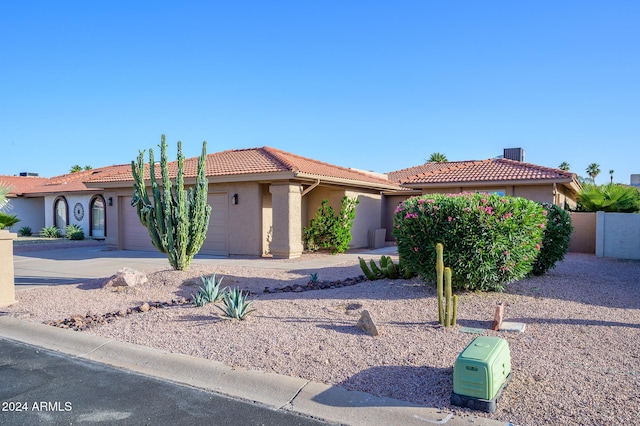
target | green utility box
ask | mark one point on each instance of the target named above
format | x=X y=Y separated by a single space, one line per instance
x=481 y=372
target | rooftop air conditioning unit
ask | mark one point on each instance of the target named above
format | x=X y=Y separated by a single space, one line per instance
x=516 y=154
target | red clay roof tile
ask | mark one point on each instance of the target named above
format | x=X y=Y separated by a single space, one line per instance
x=491 y=170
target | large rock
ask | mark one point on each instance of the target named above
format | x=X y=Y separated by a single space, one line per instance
x=366 y=324
x=126 y=277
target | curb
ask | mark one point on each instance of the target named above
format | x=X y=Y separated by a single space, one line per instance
x=330 y=403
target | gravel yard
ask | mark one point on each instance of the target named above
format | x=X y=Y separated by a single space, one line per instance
x=577 y=363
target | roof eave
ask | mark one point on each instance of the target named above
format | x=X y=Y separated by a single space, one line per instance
x=348 y=182
x=570 y=182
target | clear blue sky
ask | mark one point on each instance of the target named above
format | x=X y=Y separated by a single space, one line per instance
x=366 y=84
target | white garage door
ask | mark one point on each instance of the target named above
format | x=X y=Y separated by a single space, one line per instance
x=136 y=237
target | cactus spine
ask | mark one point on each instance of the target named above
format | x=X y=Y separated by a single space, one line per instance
x=447 y=302
x=177 y=220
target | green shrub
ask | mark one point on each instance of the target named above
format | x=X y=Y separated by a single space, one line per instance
x=50 y=232
x=489 y=239
x=611 y=197
x=235 y=304
x=555 y=241
x=8 y=220
x=25 y=231
x=74 y=232
x=330 y=231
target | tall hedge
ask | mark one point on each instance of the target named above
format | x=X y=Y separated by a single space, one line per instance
x=489 y=240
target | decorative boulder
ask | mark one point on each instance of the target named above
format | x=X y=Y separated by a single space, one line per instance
x=126 y=277
x=366 y=324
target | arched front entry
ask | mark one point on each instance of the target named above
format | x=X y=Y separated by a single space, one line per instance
x=97 y=217
x=60 y=213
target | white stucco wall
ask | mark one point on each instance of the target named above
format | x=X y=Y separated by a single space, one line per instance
x=30 y=211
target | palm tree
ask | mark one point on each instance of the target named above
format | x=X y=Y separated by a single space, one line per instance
x=564 y=166
x=611 y=175
x=4 y=200
x=437 y=157
x=593 y=170
x=75 y=169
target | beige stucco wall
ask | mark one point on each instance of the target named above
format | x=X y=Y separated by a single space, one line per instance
x=7 y=284
x=368 y=210
x=267 y=219
x=583 y=237
x=368 y=216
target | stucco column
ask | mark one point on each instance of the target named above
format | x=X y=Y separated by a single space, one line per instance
x=7 y=285
x=286 y=200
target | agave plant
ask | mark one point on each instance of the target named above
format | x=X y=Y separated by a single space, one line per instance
x=209 y=292
x=235 y=304
x=50 y=232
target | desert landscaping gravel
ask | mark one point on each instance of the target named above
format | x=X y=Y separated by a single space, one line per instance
x=576 y=363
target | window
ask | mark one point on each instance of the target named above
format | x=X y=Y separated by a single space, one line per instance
x=97 y=217
x=60 y=213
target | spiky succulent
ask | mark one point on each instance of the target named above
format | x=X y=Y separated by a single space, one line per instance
x=235 y=304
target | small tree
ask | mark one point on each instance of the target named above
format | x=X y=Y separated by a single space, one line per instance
x=177 y=220
x=4 y=192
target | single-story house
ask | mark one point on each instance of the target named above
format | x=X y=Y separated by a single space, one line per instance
x=262 y=198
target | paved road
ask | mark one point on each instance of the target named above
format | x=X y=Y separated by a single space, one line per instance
x=40 y=386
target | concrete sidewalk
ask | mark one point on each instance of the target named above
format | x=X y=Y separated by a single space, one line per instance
x=330 y=403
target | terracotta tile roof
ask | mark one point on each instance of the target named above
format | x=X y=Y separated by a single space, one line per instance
x=491 y=170
x=254 y=161
x=405 y=174
x=74 y=182
x=18 y=185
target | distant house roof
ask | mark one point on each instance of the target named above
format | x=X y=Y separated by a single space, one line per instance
x=253 y=162
x=18 y=185
x=496 y=170
x=405 y=174
x=73 y=182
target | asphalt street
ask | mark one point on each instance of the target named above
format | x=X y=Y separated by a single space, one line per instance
x=39 y=386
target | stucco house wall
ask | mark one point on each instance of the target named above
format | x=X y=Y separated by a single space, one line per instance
x=72 y=200
x=29 y=211
x=368 y=210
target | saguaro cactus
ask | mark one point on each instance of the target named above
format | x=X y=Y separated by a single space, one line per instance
x=177 y=220
x=447 y=302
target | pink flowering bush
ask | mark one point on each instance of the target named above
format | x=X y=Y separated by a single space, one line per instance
x=489 y=240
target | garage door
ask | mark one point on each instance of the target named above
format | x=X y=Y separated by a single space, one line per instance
x=136 y=237
x=217 y=236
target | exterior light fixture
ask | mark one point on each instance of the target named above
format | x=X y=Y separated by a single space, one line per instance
x=110 y=201
x=234 y=199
